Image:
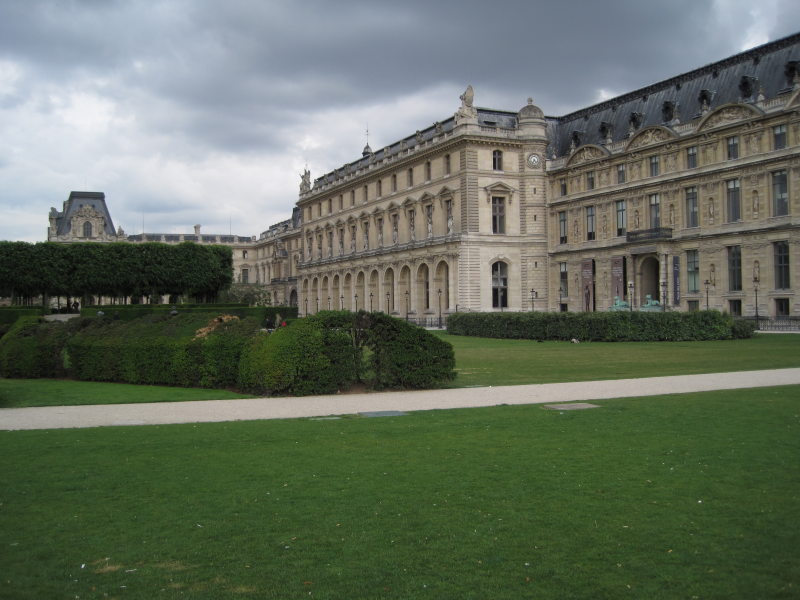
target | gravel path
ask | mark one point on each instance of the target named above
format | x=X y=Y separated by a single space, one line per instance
x=61 y=417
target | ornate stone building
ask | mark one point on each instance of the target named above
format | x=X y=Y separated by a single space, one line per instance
x=680 y=195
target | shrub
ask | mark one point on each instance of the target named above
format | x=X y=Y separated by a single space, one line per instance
x=600 y=327
x=743 y=329
x=300 y=360
x=33 y=349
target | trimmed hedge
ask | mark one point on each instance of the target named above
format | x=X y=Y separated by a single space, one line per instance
x=401 y=355
x=128 y=312
x=32 y=348
x=600 y=327
x=9 y=314
x=303 y=359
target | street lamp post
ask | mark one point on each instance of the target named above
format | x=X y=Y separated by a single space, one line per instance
x=329 y=302
x=755 y=287
x=663 y=295
x=560 y=298
x=317 y=303
x=533 y=295
x=356 y=302
x=407 y=306
x=370 y=302
x=306 y=313
x=440 y=308
x=388 y=308
x=707 y=283
x=341 y=302
x=630 y=295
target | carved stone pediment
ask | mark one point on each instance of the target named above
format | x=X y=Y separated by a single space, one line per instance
x=649 y=136
x=587 y=153
x=728 y=113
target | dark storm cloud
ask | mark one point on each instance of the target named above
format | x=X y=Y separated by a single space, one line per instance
x=154 y=96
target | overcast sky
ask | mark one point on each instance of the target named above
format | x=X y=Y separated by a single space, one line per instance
x=193 y=111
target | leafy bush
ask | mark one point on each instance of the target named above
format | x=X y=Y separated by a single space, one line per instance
x=11 y=313
x=300 y=360
x=33 y=349
x=402 y=356
x=598 y=327
x=743 y=329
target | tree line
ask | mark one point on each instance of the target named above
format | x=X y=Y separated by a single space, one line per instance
x=113 y=270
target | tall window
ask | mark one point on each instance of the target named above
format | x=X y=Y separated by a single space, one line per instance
x=562 y=227
x=692 y=215
x=245 y=276
x=563 y=186
x=590 y=180
x=410 y=177
x=733 y=147
x=781 y=307
x=691 y=157
x=621 y=173
x=781 y=265
x=655 y=166
x=499 y=285
x=563 y=279
x=394 y=182
x=352 y=197
x=735 y=268
x=779 y=137
x=497 y=160
x=622 y=218
x=87 y=229
x=447 y=164
x=655 y=211
x=428 y=171
x=590 y=225
x=692 y=271
x=366 y=194
x=780 y=194
x=380 y=188
x=733 y=201
x=498 y=214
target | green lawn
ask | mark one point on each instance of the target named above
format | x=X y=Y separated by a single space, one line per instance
x=59 y=392
x=679 y=496
x=483 y=361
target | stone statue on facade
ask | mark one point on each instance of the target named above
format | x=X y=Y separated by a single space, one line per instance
x=366 y=235
x=394 y=229
x=305 y=181
x=449 y=217
x=411 y=217
x=467 y=112
x=430 y=220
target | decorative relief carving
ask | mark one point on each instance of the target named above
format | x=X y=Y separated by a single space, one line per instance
x=647 y=137
x=728 y=114
x=586 y=154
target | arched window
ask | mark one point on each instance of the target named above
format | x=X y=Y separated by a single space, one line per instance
x=499 y=285
x=87 y=229
x=497 y=160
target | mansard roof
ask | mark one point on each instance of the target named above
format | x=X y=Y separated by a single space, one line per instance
x=95 y=200
x=767 y=70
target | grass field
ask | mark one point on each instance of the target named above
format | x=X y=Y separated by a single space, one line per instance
x=689 y=496
x=59 y=392
x=482 y=361
x=479 y=362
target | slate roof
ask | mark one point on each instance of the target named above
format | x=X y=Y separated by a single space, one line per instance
x=768 y=69
x=97 y=200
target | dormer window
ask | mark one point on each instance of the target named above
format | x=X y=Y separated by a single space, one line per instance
x=667 y=111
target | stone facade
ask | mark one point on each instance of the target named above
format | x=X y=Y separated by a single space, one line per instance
x=681 y=195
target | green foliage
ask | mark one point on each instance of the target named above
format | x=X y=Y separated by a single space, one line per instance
x=742 y=329
x=598 y=327
x=33 y=348
x=9 y=314
x=401 y=355
x=299 y=360
x=118 y=269
x=160 y=349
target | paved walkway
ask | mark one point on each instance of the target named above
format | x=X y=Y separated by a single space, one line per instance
x=60 y=417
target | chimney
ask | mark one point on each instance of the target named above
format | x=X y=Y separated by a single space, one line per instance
x=197 y=229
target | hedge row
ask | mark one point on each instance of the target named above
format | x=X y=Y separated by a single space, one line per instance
x=156 y=349
x=9 y=314
x=316 y=355
x=127 y=312
x=602 y=327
